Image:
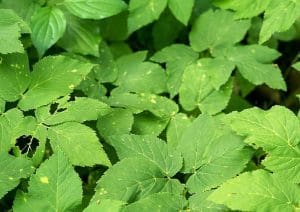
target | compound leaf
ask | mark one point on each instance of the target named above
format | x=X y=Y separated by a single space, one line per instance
x=58 y=75
x=55 y=186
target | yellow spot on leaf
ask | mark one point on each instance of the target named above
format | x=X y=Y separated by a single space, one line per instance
x=44 y=180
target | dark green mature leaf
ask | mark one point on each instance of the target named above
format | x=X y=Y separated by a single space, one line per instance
x=258 y=191
x=253 y=63
x=211 y=153
x=94 y=9
x=12 y=170
x=144 y=12
x=55 y=187
x=14 y=76
x=150 y=148
x=48 y=25
x=227 y=32
x=11 y=27
x=181 y=10
x=158 y=202
x=58 y=75
x=81 y=36
x=75 y=140
x=277 y=131
x=143 y=179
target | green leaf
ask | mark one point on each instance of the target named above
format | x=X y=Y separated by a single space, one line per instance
x=150 y=148
x=278 y=21
x=2 y=106
x=199 y=202
x=204 y=85
x=146 y=123
x=81 y=36
x=258 y=191
x=138 y=76
x=182 y=11
x=94 y=9
x=74 y=111
x=143 y=179
x=54 y=187
x=227 y=32
x=253 y=63
x=9 y=121
x=177 y=57
x=11 y=27
x=144 y=12
x=118 y=121
x=297 y=66
x=14 y=76
x=211 y=153
x=48 y=25
x=277 y=131
x=58 y=75
x=176 y=127
x=158 y=105
x=75 y=140
x=105 y=205
x=23 y=8
x=12 y=170
x=245 y=8
x=158 y=202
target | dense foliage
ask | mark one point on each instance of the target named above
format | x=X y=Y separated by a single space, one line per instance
x=149 y=105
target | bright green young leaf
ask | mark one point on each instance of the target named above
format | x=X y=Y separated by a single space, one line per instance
x=158 y=105
x=58 y=75
x=245 y=8
x=94 y=9
x=158 y=202
x=204 y=85
x=279 y=16
x=253 y=62
x=138 y=76
x=105 y=205
x=144 y=12
x=12 y=170
x=81 y=36
x=118 y=121
x=14 y=76
x=146 y=123
x=176 y=127
x=277 y=131
x=11 y=27
x=23 y=8
x=258 y=191
x=181 y=10
x=132 y=179
x=9 y=121
x=150 y=148
x=199 y=202
x=48 y=25
x=177 y=57
x=54 y=187
x=80 y=110
x=211 y=153
x=217 y=28
x=297 y=66
x=75 y=140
